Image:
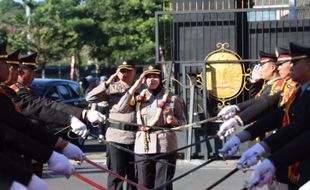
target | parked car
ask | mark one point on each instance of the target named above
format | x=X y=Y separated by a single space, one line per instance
x=64 y=91
x=60 y=90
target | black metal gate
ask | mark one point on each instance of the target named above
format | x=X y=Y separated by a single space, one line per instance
x=186 y=37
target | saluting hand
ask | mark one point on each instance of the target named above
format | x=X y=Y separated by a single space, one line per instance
x=137 y=84
x=112 y=77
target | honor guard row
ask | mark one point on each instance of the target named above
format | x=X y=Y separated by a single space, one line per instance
x=25 y=115
x=285 y=152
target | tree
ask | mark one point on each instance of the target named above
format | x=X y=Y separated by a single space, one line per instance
x=128 y=27
x=105 y=31
x=12 y=21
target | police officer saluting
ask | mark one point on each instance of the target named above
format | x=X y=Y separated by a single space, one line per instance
x=117 y=132
x=273 y=85
x=155 y=106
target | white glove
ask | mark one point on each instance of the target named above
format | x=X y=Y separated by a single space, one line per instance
x=230 y=148
x=227 y=128
x=256 y=74
x=17 y=186
x=263 y=173
x=37 y=183
x=305 y=186
x=228 y=112
x=73 y=152
x=78 y=127
x=60 y=164
x=251 y=156
x=95 y=117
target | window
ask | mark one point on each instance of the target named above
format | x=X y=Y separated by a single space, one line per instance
x=75 y=88
x=73 y=92
x=64 y=92
x=52 y=93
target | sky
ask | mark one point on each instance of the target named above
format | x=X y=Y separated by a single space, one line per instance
x=20 y=1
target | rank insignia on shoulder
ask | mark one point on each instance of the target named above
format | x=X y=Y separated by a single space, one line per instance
x=15 y=87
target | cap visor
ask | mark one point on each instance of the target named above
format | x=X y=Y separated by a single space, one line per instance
x=125 y=67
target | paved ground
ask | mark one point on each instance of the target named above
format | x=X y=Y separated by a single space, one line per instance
x=197 y=180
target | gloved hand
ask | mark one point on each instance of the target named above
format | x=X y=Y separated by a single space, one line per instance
x=256 y=74
x=228 y=112
x=17 y=186
x=251 y=156
x=95 y=117
x=263 y=173
x=60 y=164
x=305 y=186
x=78 y=127
x=230 y=148
x=37 y=183
x=73 y=152
x=227 y=128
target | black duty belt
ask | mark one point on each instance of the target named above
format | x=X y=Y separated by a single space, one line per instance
x=122 y=126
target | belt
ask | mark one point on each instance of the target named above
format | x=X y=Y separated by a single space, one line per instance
x=123 y=126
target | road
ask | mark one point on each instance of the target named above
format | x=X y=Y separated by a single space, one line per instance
x=197 y=180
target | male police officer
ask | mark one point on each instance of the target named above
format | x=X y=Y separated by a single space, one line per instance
x=269 y=72
x=9 y=116
x=122 y=134
x=28 y=100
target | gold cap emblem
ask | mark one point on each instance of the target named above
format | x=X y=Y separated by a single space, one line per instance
x=124 y=63
x=151 y=67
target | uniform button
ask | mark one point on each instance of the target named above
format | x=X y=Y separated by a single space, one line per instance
x=22 y=156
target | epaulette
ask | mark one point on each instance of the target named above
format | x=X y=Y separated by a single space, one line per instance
x=19 y=86
x=15 y=87
x=277 y=86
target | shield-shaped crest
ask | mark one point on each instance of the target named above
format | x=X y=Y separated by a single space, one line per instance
x=224 y=79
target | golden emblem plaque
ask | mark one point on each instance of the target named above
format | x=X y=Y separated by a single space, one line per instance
x=224 y=80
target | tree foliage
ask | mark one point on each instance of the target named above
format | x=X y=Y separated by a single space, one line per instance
x=105 y=31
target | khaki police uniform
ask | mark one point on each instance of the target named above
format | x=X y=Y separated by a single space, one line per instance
x=117 y=132
x=152 y=109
